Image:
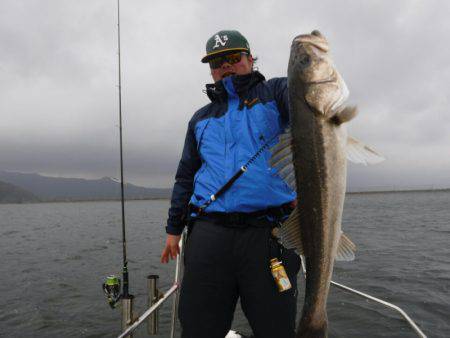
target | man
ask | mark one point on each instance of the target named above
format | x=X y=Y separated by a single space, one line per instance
x=230 y=245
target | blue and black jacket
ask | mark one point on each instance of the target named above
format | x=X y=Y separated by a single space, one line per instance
x=245 y=112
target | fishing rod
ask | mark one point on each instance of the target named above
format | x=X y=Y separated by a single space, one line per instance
x=238 y=174
x=112 y=285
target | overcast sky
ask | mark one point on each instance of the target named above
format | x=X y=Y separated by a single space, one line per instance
x=58 y=80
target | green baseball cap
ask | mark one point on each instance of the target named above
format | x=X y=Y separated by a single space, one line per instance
x=225 y=42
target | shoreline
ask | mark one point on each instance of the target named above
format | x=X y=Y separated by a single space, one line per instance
x=397 y=191
x=168 y=199
x=86 y=200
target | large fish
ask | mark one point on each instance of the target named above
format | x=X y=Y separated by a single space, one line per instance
x=312 y=157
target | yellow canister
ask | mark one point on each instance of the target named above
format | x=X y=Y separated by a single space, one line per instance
x=280 y=275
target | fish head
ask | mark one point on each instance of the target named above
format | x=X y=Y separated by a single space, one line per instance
x=310 y=59
x=311 y=70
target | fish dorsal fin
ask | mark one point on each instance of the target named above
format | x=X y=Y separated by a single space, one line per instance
x=344 y=115
x=346 y=249
x=358 y=152
x=290 y=232
x=282 y=159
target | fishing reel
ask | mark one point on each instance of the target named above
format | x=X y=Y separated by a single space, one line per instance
x=111 y=288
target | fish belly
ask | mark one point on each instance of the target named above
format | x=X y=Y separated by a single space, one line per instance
x=320 y=169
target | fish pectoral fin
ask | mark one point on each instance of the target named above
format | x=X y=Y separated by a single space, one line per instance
x=290 y=233
x=344 y=115
x=346 y=249
x=358 y=152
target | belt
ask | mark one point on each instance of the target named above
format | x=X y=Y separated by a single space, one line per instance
x=266 y=217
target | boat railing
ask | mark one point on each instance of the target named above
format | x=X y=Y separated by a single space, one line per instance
x=157 y=300
x=387 y=304
x=375 y=299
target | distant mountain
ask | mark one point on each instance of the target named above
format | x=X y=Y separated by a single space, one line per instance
x=10 y=193
x=77 y=189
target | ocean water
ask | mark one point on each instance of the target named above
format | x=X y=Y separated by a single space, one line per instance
x=55 y=256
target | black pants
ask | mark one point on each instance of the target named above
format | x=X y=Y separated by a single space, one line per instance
x=225 y=263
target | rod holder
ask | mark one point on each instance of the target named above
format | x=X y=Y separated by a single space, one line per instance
x=127 y=313
x=153 y=297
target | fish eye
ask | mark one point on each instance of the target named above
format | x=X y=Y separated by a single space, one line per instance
x=304 y=59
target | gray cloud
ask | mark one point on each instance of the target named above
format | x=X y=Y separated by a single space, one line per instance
x=58 y=94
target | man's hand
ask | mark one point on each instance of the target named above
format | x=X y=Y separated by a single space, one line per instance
x=172 y=248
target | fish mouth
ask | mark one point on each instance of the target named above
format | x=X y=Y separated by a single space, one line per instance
x=318 y=42
x=331 y=78
x=320 y=81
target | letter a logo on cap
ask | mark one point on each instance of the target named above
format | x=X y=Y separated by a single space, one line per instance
x=220 y=41
x=224 y=42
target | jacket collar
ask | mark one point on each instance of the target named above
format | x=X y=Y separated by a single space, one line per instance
x=241 y=84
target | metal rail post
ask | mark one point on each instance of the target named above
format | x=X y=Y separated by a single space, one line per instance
x=127 y=313
x=153 y=295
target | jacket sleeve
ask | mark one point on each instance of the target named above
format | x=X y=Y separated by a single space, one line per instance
x=280 y=92
x=184 y=180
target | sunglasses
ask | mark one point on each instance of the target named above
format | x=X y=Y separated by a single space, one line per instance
x=229 y=58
